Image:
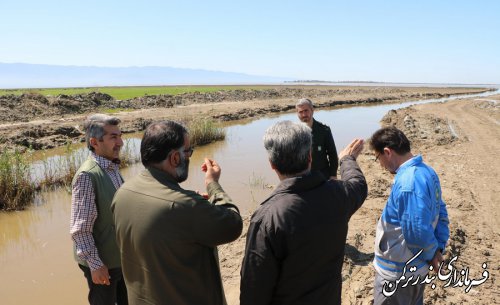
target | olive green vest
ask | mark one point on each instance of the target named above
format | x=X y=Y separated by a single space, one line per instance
x=104 y=229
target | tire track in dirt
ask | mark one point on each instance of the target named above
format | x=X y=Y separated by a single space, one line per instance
x=469 y=172
x=476 y=123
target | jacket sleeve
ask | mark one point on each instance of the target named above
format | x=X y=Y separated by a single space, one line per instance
x=416 y=223
x=442 y=231
x=333 y=158
x=217 y=220
x=353 y=183
x=260 y=268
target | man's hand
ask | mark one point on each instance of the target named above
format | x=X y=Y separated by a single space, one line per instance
x=100 y=276
x=353 y=149
x=436 y=260
x=204 y=195
x=212 y=171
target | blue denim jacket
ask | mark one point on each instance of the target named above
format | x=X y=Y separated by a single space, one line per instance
x=415 y=218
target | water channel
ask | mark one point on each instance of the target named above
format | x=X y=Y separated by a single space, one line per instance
x=36 y=262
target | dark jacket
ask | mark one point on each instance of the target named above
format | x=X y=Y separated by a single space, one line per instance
x=324 y=152
x=295 y=242
x=168 y=237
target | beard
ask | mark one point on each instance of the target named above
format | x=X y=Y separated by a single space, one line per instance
x=306 y=121
x=182 y=170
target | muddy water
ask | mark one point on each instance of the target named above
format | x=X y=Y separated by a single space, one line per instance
x=35 y=255
x=35 y=248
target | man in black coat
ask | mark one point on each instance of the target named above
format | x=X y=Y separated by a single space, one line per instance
x=295 y=242
x=323 y=150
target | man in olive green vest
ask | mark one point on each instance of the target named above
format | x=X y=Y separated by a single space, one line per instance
x=324 y=152
x=92 y=229
x=168 y=236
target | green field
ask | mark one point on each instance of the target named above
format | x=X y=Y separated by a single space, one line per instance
x=124 y=93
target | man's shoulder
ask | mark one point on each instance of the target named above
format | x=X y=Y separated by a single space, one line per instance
x=414 y=177
x=264 y=217
x=322 y=125
x=147 y=185
x=88 y=164
x=277 y=208
x=321 y=128
x=86 y=170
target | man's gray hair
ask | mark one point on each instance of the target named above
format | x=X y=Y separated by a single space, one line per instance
x=304 y=101
x=94 y=126
x=288 y=145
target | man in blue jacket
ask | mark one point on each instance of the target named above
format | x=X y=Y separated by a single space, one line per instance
x=413 y=230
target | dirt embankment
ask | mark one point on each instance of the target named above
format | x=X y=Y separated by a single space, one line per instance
x=41 y=122
x=459 y=139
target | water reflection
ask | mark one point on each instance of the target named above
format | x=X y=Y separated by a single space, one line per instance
x=36 y=256
x=28 y=230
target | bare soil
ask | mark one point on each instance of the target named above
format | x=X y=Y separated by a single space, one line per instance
x=460 y=140
x=40 y=122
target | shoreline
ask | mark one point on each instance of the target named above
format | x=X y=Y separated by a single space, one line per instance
x=57 y=121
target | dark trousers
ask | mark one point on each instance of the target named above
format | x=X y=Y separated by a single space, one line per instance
x=115 y=293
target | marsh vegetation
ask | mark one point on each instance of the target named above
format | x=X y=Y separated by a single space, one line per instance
x=22 y=175
x=16 y=186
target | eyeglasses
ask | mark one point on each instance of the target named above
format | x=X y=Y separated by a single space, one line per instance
x=189 y=151
x=376 y=157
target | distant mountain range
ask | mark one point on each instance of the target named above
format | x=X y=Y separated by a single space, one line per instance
x=18 y=75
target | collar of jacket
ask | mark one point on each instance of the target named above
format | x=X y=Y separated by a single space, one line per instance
x=411 y=162
x=314 y=124
x=103 y=162
x=298 y=184
x=162 y=177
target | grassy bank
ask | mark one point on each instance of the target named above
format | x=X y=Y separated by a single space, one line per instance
x=202 y=132
x=124 y=93
x=16 y=186
x=21 y=176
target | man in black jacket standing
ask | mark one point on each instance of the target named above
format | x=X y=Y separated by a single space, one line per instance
x=295 y=242
x=323 y=150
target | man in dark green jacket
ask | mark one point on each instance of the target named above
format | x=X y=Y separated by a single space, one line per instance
x=324 y=152
x=168 y=236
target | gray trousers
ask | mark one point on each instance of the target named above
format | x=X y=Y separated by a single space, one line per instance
x=409 y=295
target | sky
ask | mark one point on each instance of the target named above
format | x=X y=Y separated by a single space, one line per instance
x=389 y=41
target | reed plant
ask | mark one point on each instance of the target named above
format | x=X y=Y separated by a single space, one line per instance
x=205 y=131
x=59 y=170
x=130 y=153
x=16 y=187
x=257 y=181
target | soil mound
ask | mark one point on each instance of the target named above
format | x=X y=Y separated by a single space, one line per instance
x=32 y=106
x=422 y=130
x=37 y=121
